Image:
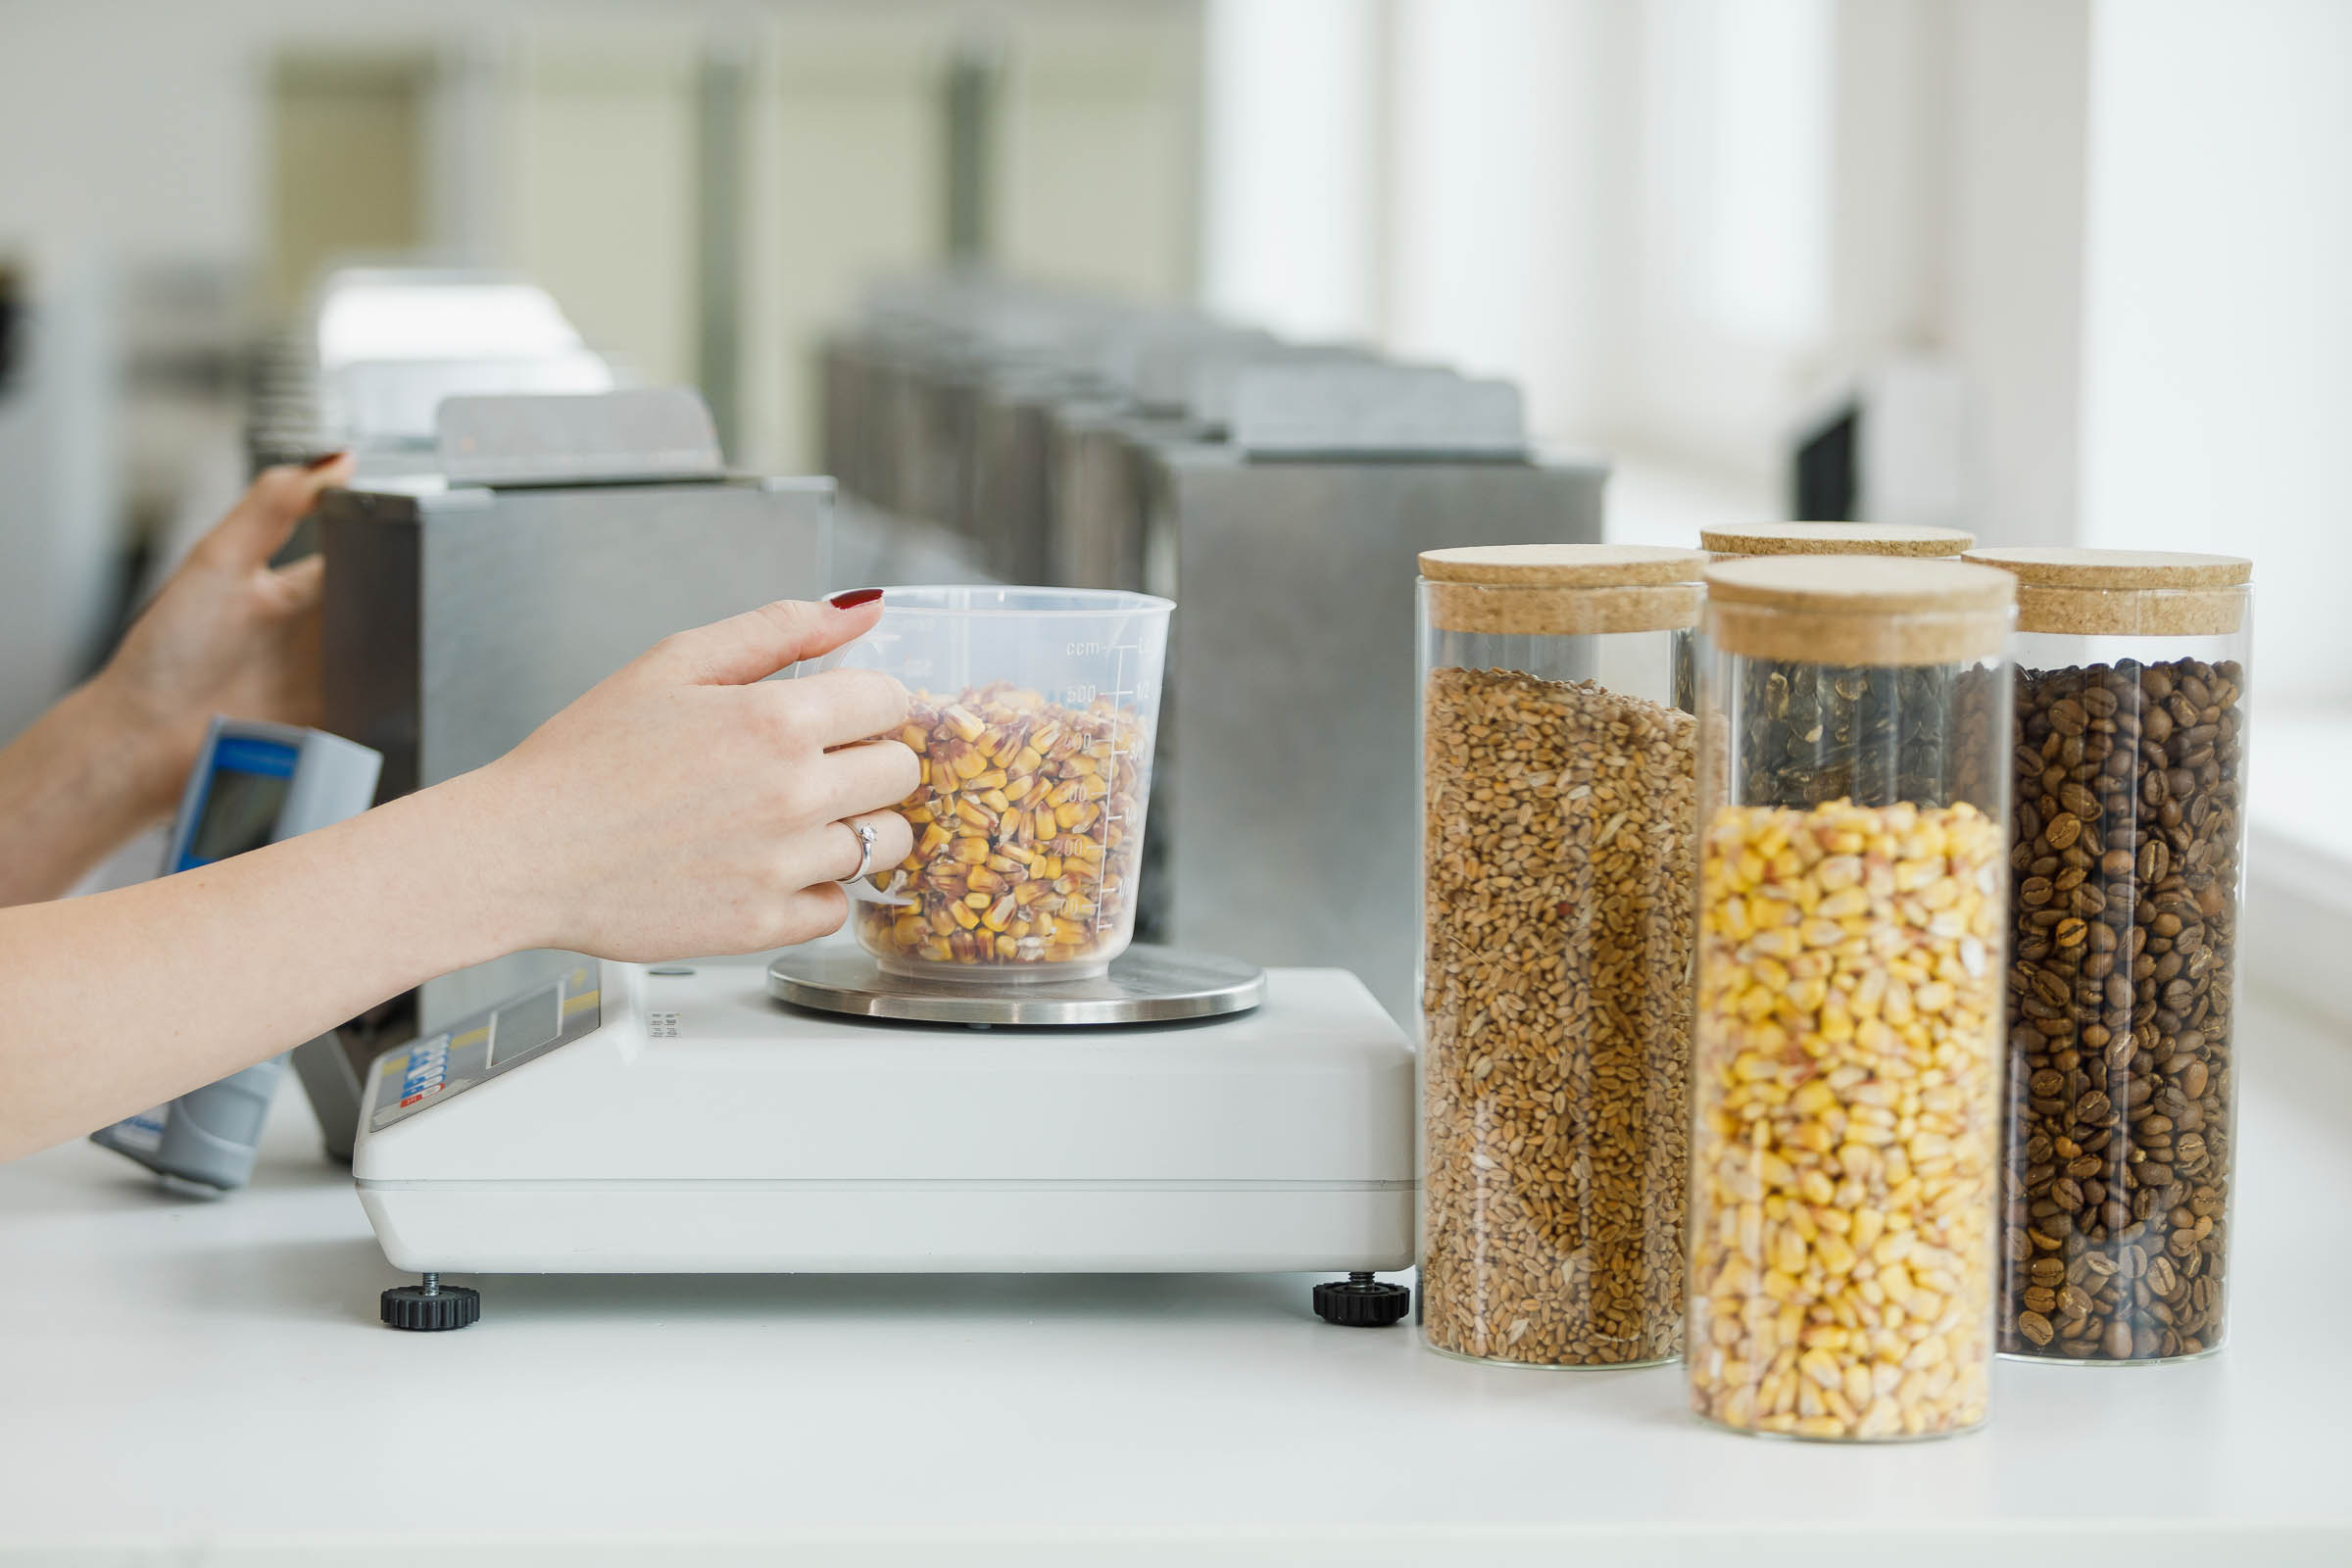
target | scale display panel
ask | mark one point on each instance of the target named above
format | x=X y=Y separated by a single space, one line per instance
x=480 y=1046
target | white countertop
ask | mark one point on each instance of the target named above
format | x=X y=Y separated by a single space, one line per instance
x=188 y=1381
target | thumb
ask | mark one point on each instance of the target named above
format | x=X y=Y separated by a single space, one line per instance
x=264 y=519
x=757 y=643
x=300 y=586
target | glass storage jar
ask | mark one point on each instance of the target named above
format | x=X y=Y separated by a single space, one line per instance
x=1559 y=842
x=1846 y=1053
x=2127 y=864
x=1033 y=714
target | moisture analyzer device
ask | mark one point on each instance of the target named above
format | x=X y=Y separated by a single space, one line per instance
x=252 y=784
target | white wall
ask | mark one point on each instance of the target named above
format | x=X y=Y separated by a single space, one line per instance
x=2011 y=305
x=1503 y=195
x=2218 y=376
x=1292 y=165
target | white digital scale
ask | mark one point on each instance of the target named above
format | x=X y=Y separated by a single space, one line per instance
x=803 y=1114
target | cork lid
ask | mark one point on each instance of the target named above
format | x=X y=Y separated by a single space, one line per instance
x=1859 y=610
x=1564 y=565
x=1562 y=590
x=1834 y=539
x=2124 y=593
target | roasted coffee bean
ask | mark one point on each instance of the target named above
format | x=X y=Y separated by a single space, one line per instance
x=2125 y=842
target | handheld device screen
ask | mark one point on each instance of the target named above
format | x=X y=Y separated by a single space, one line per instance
x=241 y=800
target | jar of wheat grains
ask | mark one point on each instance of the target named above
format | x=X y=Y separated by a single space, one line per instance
x=1559 y=846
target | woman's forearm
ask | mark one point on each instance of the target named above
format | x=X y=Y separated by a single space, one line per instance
x=124 y=999
x=77 y=784
x=686 y=805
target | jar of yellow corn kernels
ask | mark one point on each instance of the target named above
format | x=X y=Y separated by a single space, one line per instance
x=1033 y=712
x=1845 y=1079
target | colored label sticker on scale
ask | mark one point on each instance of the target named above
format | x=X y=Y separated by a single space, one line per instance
x=427 y=1067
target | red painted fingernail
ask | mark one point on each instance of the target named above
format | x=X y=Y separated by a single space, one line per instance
x=316 y=464
x=852 y=598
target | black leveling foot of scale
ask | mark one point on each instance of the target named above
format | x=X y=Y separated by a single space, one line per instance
x=1361 y=1301
x=432 y=1306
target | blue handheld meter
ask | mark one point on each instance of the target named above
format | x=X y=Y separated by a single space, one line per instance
x=252 y=784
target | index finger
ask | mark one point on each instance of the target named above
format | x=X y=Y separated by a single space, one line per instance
x=842 y=705
x=263 y=519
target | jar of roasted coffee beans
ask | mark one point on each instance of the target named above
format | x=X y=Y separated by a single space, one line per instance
x=1846 y=1045
x=2127 y=859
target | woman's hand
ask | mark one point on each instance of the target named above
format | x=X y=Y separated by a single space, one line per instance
x=228 y=634
x=689 y=805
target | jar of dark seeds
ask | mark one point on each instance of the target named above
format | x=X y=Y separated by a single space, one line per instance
x=1831 y=732
x=2127 y=839
x=1558 y=839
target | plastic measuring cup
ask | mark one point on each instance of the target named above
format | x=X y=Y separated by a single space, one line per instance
x=1035 y=712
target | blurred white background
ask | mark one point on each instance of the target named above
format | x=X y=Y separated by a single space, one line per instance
x=2105 y=241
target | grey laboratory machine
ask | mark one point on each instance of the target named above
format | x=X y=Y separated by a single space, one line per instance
x=379 y=348
x=1291 y=701
x=1280 y=493
x=252 y=784
x=560 y=538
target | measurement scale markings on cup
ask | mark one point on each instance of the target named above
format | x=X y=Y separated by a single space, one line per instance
x=1121 y=695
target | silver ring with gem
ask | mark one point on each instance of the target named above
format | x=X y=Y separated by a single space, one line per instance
x=867 y=837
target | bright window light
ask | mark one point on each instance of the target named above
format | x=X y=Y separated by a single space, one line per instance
x=430 y=319
x=1768 y=252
